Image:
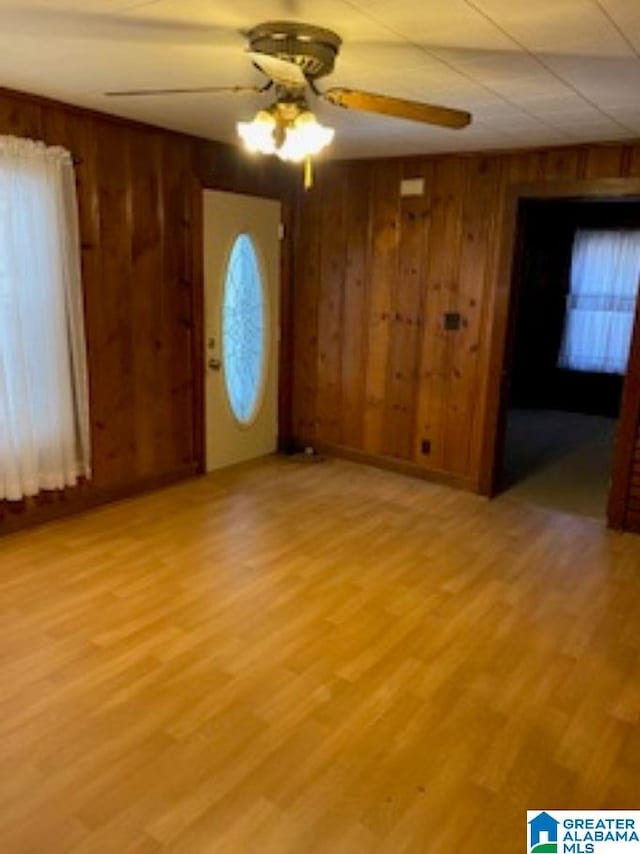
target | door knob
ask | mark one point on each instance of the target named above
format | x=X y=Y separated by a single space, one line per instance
x=214 y=364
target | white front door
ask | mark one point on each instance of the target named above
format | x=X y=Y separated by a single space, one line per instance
x=242 y=297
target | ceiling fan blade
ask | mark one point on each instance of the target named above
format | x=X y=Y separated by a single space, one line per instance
x=414 y=111
x=281 y=71
x=197 y=90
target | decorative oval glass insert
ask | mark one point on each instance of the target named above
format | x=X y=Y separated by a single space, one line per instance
x=243 y=329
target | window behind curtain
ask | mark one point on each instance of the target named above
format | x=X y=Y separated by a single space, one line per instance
x=44 y=418
x=605 y=269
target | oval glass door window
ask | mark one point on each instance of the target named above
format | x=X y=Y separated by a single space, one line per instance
x=243 y=330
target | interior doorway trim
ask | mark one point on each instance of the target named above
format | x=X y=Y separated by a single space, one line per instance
x=503 y=302
x=626 y=434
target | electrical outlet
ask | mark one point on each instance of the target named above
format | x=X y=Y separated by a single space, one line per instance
x=452 y=320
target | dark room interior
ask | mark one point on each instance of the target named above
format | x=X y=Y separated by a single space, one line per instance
x=561 y=422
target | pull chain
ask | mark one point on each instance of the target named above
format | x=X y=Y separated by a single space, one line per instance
x=308 y=173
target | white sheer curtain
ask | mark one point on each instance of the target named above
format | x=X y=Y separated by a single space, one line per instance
x=44 y=406
x=605 y=269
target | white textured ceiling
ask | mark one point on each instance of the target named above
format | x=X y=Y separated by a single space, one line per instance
x=532 y=72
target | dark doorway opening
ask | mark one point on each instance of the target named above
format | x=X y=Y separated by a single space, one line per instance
x=560 y=422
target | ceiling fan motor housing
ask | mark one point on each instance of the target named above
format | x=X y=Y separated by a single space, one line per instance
x=314 y=49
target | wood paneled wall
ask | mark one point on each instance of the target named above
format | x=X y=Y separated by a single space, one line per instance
x=138 y=197
x=376 y=370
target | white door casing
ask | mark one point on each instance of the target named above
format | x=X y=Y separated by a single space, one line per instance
x=227 y=217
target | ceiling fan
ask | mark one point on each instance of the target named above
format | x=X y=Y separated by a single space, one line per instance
x=293 y=56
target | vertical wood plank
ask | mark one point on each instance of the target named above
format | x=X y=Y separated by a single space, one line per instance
x=355 y=303
x=442 y=267
x=562 y=164
x=305 y=311
x=383 y=272
x=114 y=367
x=634 y=161
x=330 y=303
x=407 y=315
x=524 y=167
x=20 y=117
x=180 y=242
x=146 y=303
x=604 y=162
x=286 y=356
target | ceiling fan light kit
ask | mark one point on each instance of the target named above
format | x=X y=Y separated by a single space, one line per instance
x=290 y=131
x=293 y=56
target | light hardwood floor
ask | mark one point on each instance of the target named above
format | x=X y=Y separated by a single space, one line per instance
x=293 y=658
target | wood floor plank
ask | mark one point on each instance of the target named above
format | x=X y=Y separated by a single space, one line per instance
x=291 y=657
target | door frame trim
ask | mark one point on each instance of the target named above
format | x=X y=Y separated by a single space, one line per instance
x=504 y=302
x=196 y=323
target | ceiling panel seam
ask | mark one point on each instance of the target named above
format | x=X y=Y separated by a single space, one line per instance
x=617 y=27
x=453 y=67
x=546 y=66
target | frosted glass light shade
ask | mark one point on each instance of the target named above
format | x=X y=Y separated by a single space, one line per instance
x=303 y=137
x=258 y=134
